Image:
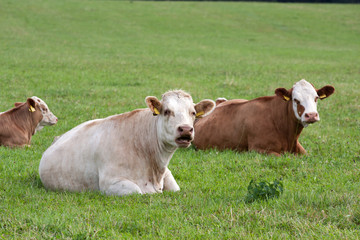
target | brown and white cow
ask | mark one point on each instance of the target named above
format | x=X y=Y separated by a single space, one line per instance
x=18 y=124
x=126 y=153
x=267 y=124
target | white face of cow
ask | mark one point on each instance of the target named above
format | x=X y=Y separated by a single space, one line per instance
x=176 y=114
x=304 y=100
x=48 y=117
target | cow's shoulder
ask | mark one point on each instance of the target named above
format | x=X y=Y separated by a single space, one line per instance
x=15 y=110
x=129 y=115
x=263 y=99
x=232 y=102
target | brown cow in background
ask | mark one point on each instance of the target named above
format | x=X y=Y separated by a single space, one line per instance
x=269 y=125
x=18 y=124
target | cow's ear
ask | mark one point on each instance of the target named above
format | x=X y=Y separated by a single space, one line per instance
x=220 y=100
x=18 y=104
x=154 y=104
x=31 y=103
x=203 y=108
x=283 y=93
x=325 y=92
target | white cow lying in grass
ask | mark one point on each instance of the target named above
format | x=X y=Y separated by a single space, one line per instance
x=126 y=153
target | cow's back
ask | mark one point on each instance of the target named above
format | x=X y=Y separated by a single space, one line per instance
x=231 y=124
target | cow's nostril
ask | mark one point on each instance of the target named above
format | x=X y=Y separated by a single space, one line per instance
x=185 y=129
x=313 y=116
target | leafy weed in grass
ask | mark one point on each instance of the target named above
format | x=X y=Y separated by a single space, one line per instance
x=263 y=190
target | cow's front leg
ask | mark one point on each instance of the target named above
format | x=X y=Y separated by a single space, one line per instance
x=15 y=141
x=121 y=188
x=264 y=150
x=300 y=149
x=169 y=182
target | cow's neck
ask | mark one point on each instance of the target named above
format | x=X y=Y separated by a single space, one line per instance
x=286 y=122
x=24 y=120
x=156 y=151
x=159 y=155
x=164 y=150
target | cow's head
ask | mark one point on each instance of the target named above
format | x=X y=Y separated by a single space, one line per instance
x=176 y=114
x=304 y=100
x=48 y=118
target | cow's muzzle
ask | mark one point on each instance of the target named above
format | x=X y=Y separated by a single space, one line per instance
x=186 y=134
x=311 y=117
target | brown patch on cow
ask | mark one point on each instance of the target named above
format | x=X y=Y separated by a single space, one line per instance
x=300 y=109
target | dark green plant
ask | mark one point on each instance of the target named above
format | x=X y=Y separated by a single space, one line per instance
x=263 y=190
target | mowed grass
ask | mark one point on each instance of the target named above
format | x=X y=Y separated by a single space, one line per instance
x=92 y=59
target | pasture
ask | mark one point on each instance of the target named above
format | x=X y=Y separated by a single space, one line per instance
x=93 y=59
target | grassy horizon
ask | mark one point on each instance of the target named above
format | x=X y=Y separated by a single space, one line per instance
x=93 y=59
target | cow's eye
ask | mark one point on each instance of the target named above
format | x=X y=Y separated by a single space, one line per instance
x=167 y=112
x=316 y=98
x=193 y=113
x=297 y=101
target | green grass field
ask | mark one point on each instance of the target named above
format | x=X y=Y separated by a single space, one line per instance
x=93 y=59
